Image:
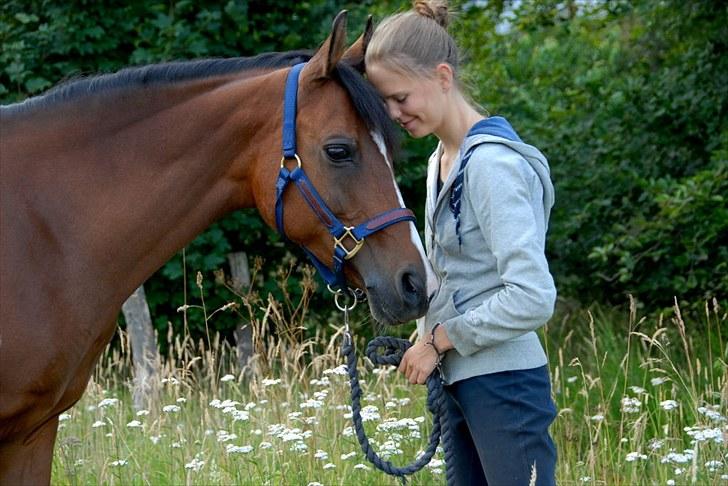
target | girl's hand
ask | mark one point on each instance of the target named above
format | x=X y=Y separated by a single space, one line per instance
x=418 y=362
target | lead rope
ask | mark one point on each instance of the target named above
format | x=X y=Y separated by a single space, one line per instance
x=392 y=351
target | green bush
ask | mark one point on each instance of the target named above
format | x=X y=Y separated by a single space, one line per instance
x=626 y=99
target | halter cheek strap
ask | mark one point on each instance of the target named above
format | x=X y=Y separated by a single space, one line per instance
x=348 y=240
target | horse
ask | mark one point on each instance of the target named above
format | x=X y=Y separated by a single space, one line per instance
x=103 y=179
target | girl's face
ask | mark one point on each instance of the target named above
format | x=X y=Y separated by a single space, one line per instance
x=417 y=104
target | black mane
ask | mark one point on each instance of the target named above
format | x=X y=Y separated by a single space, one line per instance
x=367 y=101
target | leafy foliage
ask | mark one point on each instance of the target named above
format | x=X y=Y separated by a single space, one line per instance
x=627 y=99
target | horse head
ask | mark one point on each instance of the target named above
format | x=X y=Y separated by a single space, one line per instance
x=344 y=140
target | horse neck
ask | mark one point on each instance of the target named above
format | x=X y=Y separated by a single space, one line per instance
x=142 y=173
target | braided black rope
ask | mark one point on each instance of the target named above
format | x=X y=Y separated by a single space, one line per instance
x=392 y=351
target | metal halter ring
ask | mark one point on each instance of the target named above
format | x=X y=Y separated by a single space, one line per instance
x=350 y=296
x=295 y=156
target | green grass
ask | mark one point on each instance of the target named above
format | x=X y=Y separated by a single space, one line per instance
x=642 y=401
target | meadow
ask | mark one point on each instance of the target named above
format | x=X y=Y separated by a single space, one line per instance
x=642 y=400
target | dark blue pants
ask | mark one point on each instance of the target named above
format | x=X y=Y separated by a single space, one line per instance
x=499 y=424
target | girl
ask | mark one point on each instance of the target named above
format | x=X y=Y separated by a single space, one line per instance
x=488 y=201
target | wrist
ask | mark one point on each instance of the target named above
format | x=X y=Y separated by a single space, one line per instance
x=432 y=340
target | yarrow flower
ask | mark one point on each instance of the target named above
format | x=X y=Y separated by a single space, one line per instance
x=171 y=408
x=266 y=382
x=195 y=464
x=659 y=380
x=668 y=404
x=631 y=405
x=108 y=402
x=633 y=456
x=712 y=414
x=233 y=449
x=120 y=463
x=704 y=434
x=339 y=370
x=134 y=424
x=227 y=377
x=677 y=458
x=370 y=413
x=98 y=424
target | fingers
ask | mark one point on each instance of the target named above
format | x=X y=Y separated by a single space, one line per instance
x=417 y=364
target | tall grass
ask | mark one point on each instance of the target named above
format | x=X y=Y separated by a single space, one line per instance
x=642 y=401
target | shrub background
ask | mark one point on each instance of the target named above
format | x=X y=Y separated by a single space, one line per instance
x=626 y=99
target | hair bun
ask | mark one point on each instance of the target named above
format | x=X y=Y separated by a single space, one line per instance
x=433 y=9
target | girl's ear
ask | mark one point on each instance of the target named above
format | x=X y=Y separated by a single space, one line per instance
x=445 y=76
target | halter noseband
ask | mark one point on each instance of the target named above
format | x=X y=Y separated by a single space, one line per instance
x=353 y=236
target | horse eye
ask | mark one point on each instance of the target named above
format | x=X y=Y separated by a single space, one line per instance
x=338 y=152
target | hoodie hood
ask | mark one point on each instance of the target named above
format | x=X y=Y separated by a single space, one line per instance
x=496 y=129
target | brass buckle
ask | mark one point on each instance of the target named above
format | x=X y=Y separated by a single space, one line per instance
x=339 y=242
x=295 y=156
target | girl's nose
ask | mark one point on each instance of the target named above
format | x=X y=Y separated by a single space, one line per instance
x=394 y=111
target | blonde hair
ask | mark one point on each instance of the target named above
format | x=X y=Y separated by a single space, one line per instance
x=415 y=42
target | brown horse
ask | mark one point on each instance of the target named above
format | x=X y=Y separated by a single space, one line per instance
x=104 y=179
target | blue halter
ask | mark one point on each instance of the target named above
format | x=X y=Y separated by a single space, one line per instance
x=353 y=236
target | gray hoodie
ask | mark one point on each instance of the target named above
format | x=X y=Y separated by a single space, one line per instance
x=495 y=286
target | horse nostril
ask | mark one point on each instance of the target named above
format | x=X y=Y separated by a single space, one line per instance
x=408 y=283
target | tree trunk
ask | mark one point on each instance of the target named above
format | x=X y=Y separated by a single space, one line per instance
x=144 y=350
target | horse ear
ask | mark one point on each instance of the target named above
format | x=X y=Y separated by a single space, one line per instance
x=323 y=62
x=354 y=56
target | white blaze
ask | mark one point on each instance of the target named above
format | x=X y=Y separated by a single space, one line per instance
x=431 y=278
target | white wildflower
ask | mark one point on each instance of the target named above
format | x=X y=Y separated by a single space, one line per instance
x=655 y=444
x=323 y=455
x=266 y=382
x=250 y=406
x=670 y=482
x=142 y=413
x=314 y=483
x=585 y=479
x=171 y=408
x=329 y=465
x=572 y=379
x=171 y=380
x=98 y=424
x=134 y=424
x=712 y=414
x=659 y=380
x=64 y=416
x=668 y=404
x=195 y=464
x=227 y=377
x=233 y=449
x=240 y=416
x=637 y=390
x=631 y=405
x=181 y=400
x=348 y=431
x=597 y=418
x=370 y=413
x=348 y=455
x=362 y=466
x=713 y=465
x=311 y=403
x=265 y=445
x=299 y=447
x=120 y=463
x=633 y=456
x=155 y=439
x=108 y=402
x=703 y=434
x=675 y=457
x=224 y=436
x=339 y=370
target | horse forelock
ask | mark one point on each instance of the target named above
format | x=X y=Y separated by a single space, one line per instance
x=369 y=105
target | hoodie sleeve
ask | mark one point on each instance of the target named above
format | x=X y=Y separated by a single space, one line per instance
x=506 y=195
